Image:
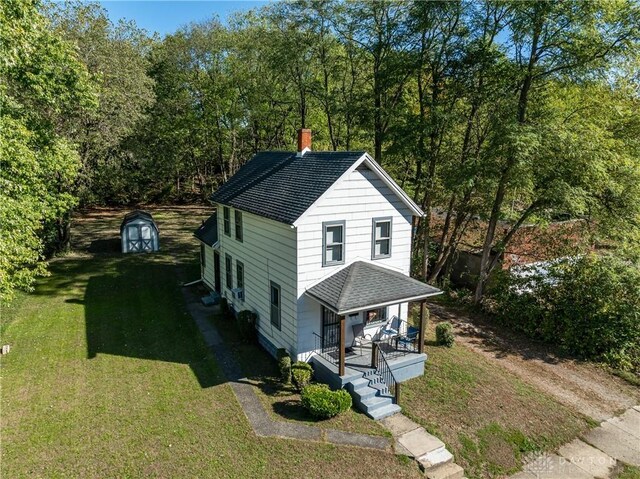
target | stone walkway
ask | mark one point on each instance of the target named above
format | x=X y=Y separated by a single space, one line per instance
x=596 y=455
x=261 y=422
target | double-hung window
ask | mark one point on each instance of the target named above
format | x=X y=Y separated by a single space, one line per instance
x=226 y=212
x=275 y=304
x=237 y=216
x=333 y=243
x=228 y=271
x=240 y=277
x=381 y=238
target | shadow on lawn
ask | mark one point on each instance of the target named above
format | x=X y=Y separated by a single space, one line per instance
x=134 y=308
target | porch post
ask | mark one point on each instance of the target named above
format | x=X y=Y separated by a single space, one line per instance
x=423 y=326
x=342 y=346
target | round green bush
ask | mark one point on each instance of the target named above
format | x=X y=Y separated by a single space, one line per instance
x=246 y=322
x=284 y=365
x=444 y=334
x=301 y=374
x=324 y=403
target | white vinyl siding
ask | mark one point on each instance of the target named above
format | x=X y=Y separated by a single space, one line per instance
x=357 y=200
x=268 y=253
x=208 y=275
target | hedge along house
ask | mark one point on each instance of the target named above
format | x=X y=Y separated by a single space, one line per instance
x=318 y=245
x=139 y=233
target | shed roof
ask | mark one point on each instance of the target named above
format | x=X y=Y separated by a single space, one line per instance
x=281 y=185
x=207 y=232
x=136 y=215
x=363 y=285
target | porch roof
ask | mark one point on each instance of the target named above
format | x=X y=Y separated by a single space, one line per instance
x=362 y=285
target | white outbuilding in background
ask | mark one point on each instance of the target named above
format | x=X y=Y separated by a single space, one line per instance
x=139 y=233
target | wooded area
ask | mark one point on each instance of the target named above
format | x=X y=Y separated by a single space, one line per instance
x=515 y=111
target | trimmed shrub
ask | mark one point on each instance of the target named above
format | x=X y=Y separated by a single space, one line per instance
x=301 y=374
x=246 y=322
x=444 y=334
x=324 y=403
x=284 y=365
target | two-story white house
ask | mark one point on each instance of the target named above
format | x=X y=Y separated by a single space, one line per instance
x=318 y=244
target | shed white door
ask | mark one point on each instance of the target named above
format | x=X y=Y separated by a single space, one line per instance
x=139 y=238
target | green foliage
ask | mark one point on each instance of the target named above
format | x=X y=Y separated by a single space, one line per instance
x=324 y=403
x=301 y=373
x=444 y=334
x=589 y=306
x=246 y=322
x=284 y=365
x=42 y=86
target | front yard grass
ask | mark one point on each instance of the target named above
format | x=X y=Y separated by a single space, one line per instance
x=108 y=377
x=489 y=418
x=280 y=400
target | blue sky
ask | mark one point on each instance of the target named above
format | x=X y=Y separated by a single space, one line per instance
x=167 y=16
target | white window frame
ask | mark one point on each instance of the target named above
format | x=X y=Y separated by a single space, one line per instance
x=228 y=271
x=240 y=278
x=325 y=246
x=375 y=239
x=275 y=316
x=226 y=220
x=238 y=225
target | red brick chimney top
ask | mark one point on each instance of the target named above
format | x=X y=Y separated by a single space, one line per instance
x=304 y=140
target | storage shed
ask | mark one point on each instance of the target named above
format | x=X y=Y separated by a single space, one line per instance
x=139 y=233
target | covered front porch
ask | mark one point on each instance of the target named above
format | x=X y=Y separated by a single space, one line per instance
x=363 y=329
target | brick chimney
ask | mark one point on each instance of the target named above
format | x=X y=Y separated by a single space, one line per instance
x=304 y=141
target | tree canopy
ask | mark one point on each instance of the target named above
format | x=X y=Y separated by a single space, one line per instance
x=493 y=112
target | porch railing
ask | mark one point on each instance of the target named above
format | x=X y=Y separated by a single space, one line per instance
x=386 y=373
x=405 y=342
x=327 y=349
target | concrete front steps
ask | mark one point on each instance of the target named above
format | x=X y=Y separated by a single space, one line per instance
x=371 y=395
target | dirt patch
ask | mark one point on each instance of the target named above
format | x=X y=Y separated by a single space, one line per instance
x=583 y=386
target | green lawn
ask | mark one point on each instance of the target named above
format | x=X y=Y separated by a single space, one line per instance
x=488 y=418
x=108 y=377
x=283 y=402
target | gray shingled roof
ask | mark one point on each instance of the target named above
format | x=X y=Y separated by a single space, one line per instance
x=136 y=215
x=208 y=231
x=361 y=285
x=280 y=185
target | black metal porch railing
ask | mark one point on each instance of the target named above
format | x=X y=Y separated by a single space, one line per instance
x=327 y=348
x=386 y=373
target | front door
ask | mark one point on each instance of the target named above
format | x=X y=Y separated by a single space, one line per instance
x=330 y=329
x=216 y=271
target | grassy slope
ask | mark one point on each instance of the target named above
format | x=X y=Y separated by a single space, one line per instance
x=108 y=377
x=488 y=417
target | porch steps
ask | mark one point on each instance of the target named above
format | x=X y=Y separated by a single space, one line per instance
x=371 y=395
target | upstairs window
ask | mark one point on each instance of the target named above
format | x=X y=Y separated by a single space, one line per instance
x=228 y=271
x=237 y=216
x=226 y=223
x=203 y=255
x=275 y=304
x=333 y=243
x=240 y=277
x=381 y=243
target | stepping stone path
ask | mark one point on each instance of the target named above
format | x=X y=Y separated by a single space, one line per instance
x=410 y=439
x=596 y=455
x=430 y=452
